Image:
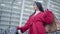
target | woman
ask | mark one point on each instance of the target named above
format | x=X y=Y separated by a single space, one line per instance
x=37 y=20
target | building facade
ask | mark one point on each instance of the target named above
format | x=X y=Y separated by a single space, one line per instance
x=16 y=12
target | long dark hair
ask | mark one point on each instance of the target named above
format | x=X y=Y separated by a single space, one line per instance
x=39 y=5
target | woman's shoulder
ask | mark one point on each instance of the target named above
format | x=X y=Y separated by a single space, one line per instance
x=48 y=11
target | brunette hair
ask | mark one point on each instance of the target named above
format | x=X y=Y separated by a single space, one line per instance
x=39 y=5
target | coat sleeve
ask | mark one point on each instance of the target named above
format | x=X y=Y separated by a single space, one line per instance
x=48 y=17
x=26 y=26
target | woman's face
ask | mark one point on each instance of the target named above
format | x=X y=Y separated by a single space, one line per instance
x=35 y=7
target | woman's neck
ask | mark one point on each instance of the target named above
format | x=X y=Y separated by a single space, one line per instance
x=37 y=10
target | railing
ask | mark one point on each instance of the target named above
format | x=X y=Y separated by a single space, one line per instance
x=7 y=31
x=1 y=31
x=4 y=31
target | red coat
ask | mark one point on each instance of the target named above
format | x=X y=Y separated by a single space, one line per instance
x=35 y=24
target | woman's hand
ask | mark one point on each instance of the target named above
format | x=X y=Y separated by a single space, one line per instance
x=18 y=27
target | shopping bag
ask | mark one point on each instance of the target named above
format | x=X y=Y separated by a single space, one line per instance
x=52 y=27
